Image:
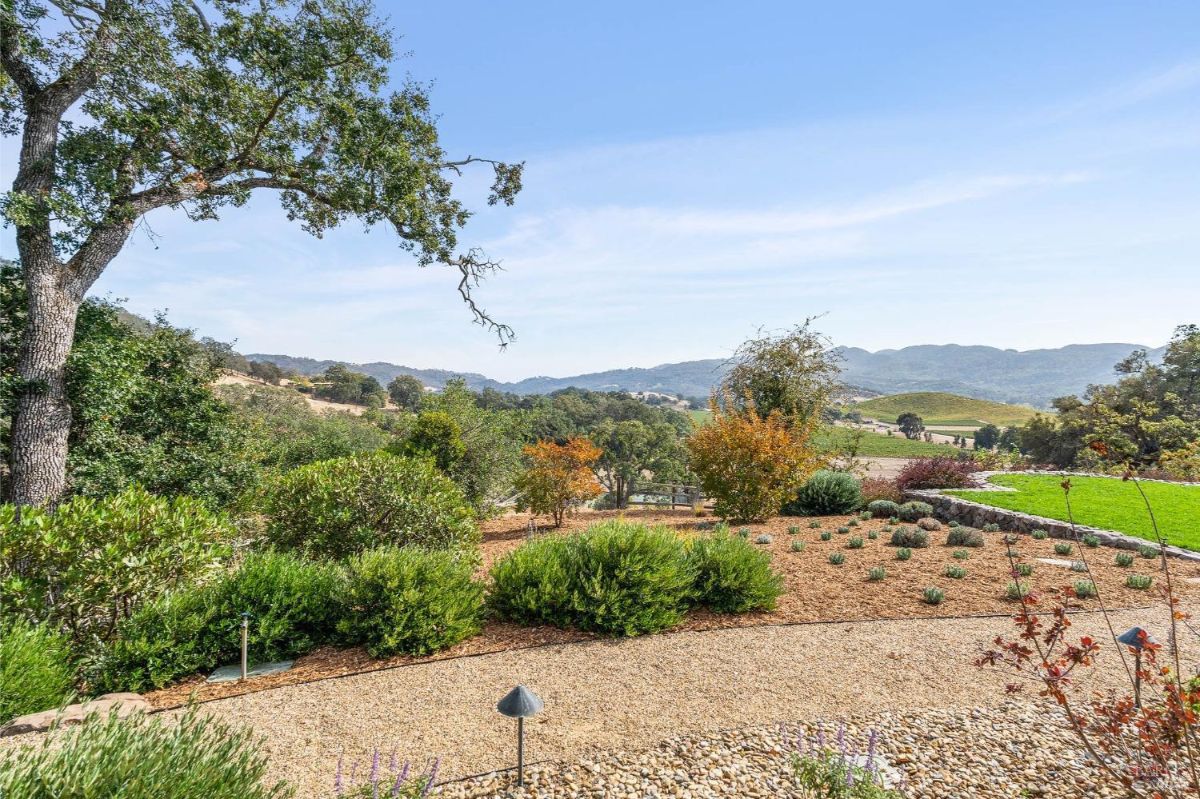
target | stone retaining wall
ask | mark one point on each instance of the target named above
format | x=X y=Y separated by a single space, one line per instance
x=974 y=514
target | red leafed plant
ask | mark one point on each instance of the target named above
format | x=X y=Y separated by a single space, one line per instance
x=1147 y=738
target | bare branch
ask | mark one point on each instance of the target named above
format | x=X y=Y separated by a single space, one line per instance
x=19 y=70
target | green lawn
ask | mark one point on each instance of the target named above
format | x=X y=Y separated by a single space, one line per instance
x=700 y=416
x=877 y=445
x=1104 y=502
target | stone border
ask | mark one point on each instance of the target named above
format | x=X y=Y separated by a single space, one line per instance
x=975 y=514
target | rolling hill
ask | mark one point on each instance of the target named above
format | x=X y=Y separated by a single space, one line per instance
x=941 y=408
x=1032 y=377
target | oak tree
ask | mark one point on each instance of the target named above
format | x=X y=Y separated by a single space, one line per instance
x=125 y=107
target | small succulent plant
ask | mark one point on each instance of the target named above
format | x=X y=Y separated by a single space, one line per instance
x=955 y=572
x=794 y=530
x=814 y=525
x=903 y=553
x=1062 y=548
x=876 y=573
x=1078 y=566
x=991 y=528
x=953 y=523
x=1091 y=541
x=837 y=558
x=1016 y=590
x=933 y=595
x=843 y=529
x=960 y=554
x=744 y=532
x=1024 y=569
x=1039 y=535
x=1148 y=551
x=864 y=515
x=1124 y=560
x=797 y=546
x=1139 y=582
x=852 y=523
x=1085 y=589
x=826 y=535
x=763 y=538
x=855 y=543
x=873 y=534
x=964 y=537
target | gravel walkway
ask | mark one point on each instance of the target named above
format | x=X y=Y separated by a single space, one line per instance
x=631 y=694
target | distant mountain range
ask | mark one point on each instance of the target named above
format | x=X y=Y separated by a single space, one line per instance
x=1032 y=377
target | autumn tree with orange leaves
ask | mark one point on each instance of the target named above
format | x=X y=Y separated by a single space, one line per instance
x=750 y=463
x=559 y=477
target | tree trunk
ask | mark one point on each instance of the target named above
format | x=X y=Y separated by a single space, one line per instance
x=43 y=420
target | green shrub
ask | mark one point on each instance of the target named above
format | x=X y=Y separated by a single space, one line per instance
x=763 y=538
x=911 y=511
x=991 y=527
x=1147 y=551
x=1039 y=535
x=793 y=529
x=616 y=578
x=833 y=775
x=826 y=493
x=731 y=577
x=964 y=537
x=955 y=572
x=826 y=535
x=814 y=525
x=909 y=537
x=35 y=669
x=837 y=558
x=1139 y=582
x=1091 y=541
x=142 y=757
x=876 y=573
x=873 y=534
x=1016 y=590
x=410 y=601
x=797 y=546
x=1085 y=589
x=929 y=524
x=1024 y=569
x=933 y=595
x=1062 y=548
x=960 y=554
x=903 y=553
x=91 y=562
x=855 y=543
x=1124 y=559
x=862 y=517
x=294 y=606
x=953 y=523
x=339 y=507
x=843 y=529
x=852 y=523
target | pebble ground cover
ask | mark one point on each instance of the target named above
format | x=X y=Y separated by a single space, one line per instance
x=1105 y=502
x=815 y=590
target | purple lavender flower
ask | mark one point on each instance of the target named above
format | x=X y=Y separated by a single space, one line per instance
x=338 y=787
x=841 y=738
x=375 y=775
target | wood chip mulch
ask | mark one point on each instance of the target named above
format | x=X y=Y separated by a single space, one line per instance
x=814 y=590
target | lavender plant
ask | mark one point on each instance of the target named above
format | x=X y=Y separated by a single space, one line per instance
x=839 y=770
x=395 y=781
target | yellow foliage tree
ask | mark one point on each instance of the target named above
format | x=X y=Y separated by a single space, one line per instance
x=559 y=476
x=750 y=463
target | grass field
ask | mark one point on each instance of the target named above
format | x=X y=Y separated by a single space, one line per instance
x=881 y=446
x=700 y=416
x=1104 y=502
x=939 y=408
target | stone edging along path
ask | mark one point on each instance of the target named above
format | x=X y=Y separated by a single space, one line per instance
x=975 y=514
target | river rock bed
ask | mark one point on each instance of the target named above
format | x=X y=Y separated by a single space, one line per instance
x=1019 y=749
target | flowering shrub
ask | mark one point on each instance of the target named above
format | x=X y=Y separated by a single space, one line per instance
x=396 y=780
x=837 y=770
x=559 y=477
x=937 y=472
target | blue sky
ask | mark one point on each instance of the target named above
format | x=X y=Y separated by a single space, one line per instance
x=1008 y=174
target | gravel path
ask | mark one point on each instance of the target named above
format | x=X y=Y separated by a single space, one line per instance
x=631 y=694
